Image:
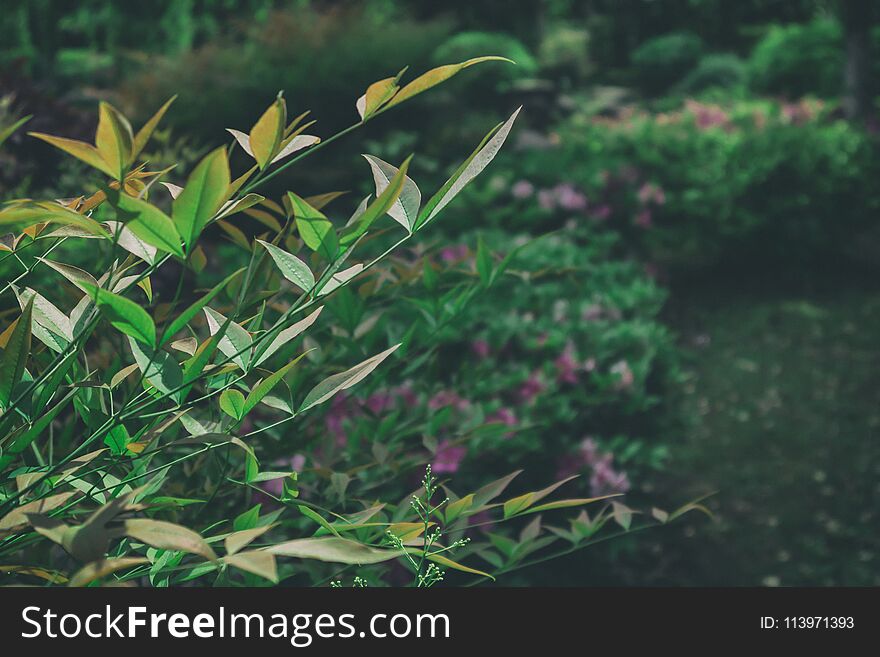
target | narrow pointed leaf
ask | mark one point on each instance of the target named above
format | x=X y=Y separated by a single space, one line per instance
x=143 y=135
x=168 y=536
x=437 y=75
x=204 y=194
x=291 y=267
x=80 y=150
x=470 y=169
x=314 y=228
x=405 y=210
x=15 y=354
x=344 y=380
x=149 y=223
x=124 y=314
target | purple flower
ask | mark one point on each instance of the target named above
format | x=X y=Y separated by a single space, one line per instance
x=531 y=388
x=569 y=197
x=547 y=199
x=448 y=457
x=480 y=348
x=503 y=416
x=446 y=398
x=522 y=189
x=455 y=253
x=566 y=365
x=601 y=212
x=379 y=402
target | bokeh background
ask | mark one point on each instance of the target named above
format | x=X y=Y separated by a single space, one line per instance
x=696 y=307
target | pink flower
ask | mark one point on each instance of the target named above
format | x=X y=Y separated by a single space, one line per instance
x=624 y=373
x=406 y=394
x=589 y=364
x=531 y=388
x=601 y=212
x=335 y=418
x=569 y=198
x=547 y=199
x=480 y=348
x=454 y=253
x=503 y=416
x=522 y=189
x=566 y=365
x=605 y=480
x=448 y=457
x=379 y=402
x=446 y=398
x=651 y=193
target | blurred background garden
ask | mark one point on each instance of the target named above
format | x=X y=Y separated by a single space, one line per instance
x=690 y=207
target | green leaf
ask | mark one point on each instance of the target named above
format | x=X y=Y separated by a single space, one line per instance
x=449 y=563
x=284 y=336
x=469 y=169
x=242 y=538
x=98 y=569
x=18 y=216
x=117 y=439
x=314 y=228
x=205 y=192
x=334 y=550
x=80 y=150
x=144 y=134
x=22 y=441
x=258 y=562
x=159 y=367
x=377 y=208
x=184 y=318
x=8 y=131
x=15 y=354
x=149 y=223
x=168 y=536
x=114 y=140
x=265 y=136
x=235 y=343
x=405 y=210
x=232 y=403
x=437 y=75
x=291 y=267
x=344 y=380
x=377 y=94
x=265 y=386
x=565 y=504
x=124 y=314
x=519 y=504
x=75 y=275
x=318 y=518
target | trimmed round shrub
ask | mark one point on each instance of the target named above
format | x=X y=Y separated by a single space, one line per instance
x=662 y=61
x=797 y=60
x=725 y=71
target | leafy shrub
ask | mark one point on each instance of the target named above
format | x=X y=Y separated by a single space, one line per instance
x=776 y=181
x=662 y=61
x=723 y=71
x=799 y=59
x=142 y=418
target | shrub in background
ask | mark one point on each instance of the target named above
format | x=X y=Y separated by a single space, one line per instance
x=799 y=59
x=715 y=71
x=662 y=61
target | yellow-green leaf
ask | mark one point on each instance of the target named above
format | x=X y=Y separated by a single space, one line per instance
x=114 y=140
x=144 y=134
x=150 y=224
x=437 y=75
x=314 y=228
x=80 y=150
x=232 y=403
x=265 y=136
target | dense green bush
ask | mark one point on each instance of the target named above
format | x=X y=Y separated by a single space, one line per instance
x=662 y=61
x=716 y=71
x=749 y=179
x=799 y=59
